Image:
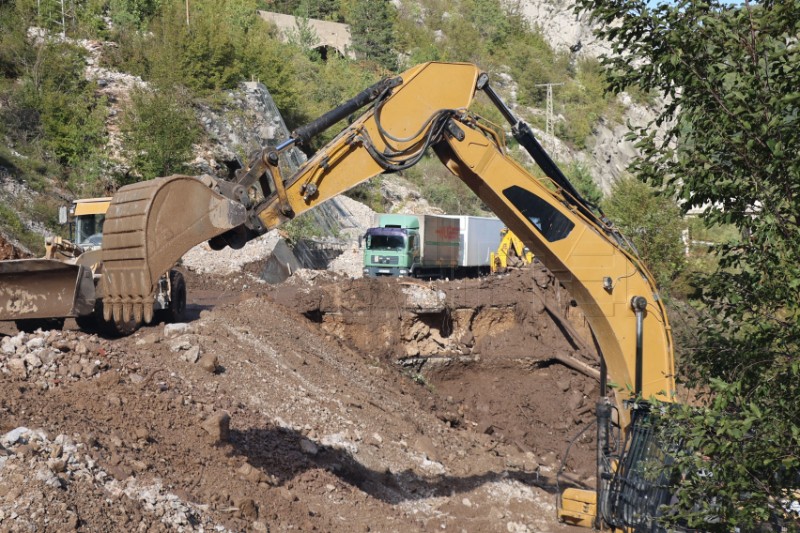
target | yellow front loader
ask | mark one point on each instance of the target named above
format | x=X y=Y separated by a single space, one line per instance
x=66 y=282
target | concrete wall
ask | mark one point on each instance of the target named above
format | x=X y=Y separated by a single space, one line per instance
x=330 y=34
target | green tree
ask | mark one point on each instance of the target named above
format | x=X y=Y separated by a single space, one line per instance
x=729 y=144
x=52 y=105
x=132 y=13
x=581 y=177
x=159 y=130
x=653 y=223
x=304 y=37
x=372 y=25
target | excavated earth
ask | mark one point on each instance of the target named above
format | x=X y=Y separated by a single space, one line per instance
x=322 y=404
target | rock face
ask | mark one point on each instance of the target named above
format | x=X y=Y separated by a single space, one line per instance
x=563 y=29
x=609 y=153
x=248 y=121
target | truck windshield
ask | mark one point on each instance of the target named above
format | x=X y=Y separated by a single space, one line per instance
x=386 y=242
x=89 y=230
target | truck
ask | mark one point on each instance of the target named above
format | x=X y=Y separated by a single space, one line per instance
x=430 y=246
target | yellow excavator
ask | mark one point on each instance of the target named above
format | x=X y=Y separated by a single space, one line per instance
x=511 y=253
x=151 y=225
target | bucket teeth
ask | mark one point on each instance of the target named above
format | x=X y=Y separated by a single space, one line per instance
x=148 y=227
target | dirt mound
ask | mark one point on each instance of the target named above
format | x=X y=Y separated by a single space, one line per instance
x=258 y=416
x=489 y=352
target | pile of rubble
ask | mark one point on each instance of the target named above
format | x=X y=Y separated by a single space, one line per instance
x=37 y=474
x=49 y=358
x=203 y=260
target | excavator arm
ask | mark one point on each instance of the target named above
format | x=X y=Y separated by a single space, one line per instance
x=425 y=107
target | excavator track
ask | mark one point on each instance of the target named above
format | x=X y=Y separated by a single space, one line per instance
x=148 y=227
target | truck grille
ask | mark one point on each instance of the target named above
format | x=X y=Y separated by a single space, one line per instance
x=385 y=259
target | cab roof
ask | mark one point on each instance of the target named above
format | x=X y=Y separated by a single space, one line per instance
x=91 y=206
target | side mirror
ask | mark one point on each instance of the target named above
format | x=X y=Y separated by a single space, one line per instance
x=62 y=215
x=360 y=238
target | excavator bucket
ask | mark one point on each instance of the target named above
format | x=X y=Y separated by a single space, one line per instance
x=148 y=228
x=44 y=288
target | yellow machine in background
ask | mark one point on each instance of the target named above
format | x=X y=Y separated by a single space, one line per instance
x=511 y=253
x=41 y=293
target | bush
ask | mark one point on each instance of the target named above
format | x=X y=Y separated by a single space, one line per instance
x=53 y=104
x=654 y=225
x=444 y=190
x=581 y=177
x=158 y=130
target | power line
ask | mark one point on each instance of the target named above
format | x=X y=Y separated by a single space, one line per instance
x=549 y=131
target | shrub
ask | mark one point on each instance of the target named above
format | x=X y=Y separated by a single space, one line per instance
x=159 y=131
x=653 y=223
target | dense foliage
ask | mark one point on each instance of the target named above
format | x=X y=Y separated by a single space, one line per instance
x=654 y=224
x=159 y=133
x=54 y=119
x=730 y=72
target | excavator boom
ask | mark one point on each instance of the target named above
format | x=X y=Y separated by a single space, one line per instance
x=151 y=224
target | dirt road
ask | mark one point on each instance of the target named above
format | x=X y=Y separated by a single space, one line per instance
x=351 y=405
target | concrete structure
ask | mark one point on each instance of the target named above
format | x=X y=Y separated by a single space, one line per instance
x=331 y=35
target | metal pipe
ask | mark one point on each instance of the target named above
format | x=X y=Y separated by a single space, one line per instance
x=304 y=133
x=603 y=414
x=639 y=304
x=524 y=135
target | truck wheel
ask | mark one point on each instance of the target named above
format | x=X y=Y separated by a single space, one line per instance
x=176 y=312
x=29 y=325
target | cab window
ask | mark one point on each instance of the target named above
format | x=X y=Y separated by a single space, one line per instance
x=89 y=229
x=550 y=222
x=385 y=242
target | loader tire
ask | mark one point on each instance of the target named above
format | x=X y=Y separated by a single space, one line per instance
x=29 y=325
x=176 y=312
x=94 y=323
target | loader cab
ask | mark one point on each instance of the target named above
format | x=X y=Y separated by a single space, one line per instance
x=88 y=217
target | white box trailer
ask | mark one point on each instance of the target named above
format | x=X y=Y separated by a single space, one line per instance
x=439 y=241
x=435 y=245
x=480 y=236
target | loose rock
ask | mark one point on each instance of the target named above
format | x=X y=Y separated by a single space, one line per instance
x=218 y=426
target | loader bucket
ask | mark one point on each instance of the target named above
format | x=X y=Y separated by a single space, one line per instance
x=148 y=228
x=44 y=288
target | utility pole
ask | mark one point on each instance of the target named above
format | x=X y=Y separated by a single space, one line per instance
x=187 y=13
x=549 y=130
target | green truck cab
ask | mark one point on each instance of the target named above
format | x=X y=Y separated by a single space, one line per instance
x=412 y=245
